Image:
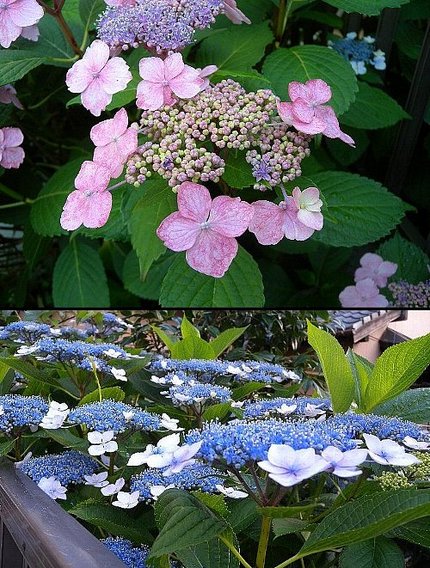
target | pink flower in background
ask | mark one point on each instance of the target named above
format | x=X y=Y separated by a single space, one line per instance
x=90 y=205
x=375 y=267
x=114 y=142
x=16 y=16
x=11 y=155
x=31 y=32
x=165 y=80
x=97 y=77
x=307 y=113
x=296 y=218
x=365 y=294
x=123 y=3
x=233 y=13
x=205 y=229
x=8 y=95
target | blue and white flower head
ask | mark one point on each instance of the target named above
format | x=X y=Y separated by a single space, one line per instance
x=198 y=394
x=132 y=556
x=25 y=331
x=102 y=443
x=125 y=500
x=18 y=411
x=52 y=487
x=359 y=52
x=69 y=467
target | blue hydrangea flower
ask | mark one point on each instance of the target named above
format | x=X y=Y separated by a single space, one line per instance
x=25 y=331
x=132 y=556
x=199 y=476
x=68 y=467
x=68 y=332
x=258 y=409
x=380 y=426
x=113 y=415
x=198 y=393
x=359 y=52
x=163 y=25
x=17 y=411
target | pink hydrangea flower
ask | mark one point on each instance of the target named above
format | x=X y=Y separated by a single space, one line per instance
x=8 y=95
x=205 y=229
x=90 y=205
x=31 y=32
x=204 y=75
x=11 y=155
x=123 y=3
x=365 y=294
x=97 y=77
x=16 y=16
x=233 y=13
x=375 y=267
x=163 y=81
x=296 y=218
x=114 y=142
x=307 y=113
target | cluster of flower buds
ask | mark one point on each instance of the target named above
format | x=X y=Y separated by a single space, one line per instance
x=411 y=295
x=231 y=119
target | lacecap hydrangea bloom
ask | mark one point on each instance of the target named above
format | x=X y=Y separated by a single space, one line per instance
x=70 y=467
x=113 y=415
x=359 y=52
x=301 y=406
x=132 y=556
x=198 y=394
x=25 y=331
x=18 y=411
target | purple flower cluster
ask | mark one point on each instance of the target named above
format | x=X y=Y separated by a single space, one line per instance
x=159 y=25
x=229 y=118
x=410 y=295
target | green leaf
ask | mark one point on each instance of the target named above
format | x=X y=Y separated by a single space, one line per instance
x=396 y=369
x=305 y=62
x=238 y=172
x=79 y=278
x=46 y=210
x=192 y=348
x=226 y=338
x=372 y=109
x=157 y=202
x=411 y=261
x=188 y=329
x=150 y=288
x=116 y=226
x=377 y=552
x=286 y=512
x=367 y=517
x=335 y=367
x=5 y=447
x=14 y=64
x=111 y=519
x=360 y=374
x=184 y=522
x=237 y=49
x=64 y=437
x=166 y=339
x=413 y=405
x=288 y=526
x=367 y=7
x=217 y=411
x=243 y=513
x=416 y=531
x=89 y=10
x=250 y=80
x=240 y=287
x=361 y=210
x=113 y=393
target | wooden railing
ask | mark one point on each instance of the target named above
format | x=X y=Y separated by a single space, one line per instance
x=35 y=532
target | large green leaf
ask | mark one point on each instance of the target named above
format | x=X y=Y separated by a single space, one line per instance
x=111 y=519
x=225 y=339
x=305 y=62
x=367 y=517
x=360 y=210
x=396 y=369
x=14 y=64
x=368 y=7
x=413 y=405
x=240 y=287
x=156 y=203
x=112 y=393
x=237 y=49
x=47 y=208
x=192 y=348
x=238 y=173
x=416 y=531
x=336 y=369
x=411 y=261
x=184 y=522
x=151 y=286
x=212 y=554
x=79 y=278
x=377 y=552
x=372 y=109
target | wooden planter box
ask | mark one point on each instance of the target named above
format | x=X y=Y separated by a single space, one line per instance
x=35 y=532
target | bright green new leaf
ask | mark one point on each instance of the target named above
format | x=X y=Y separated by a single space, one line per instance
x=192 y=348
x=413 y=405
x=225 y=339
x=113 y=393
x=335 y=367
x=367 y=7
x=188 y=329
x=396 y=370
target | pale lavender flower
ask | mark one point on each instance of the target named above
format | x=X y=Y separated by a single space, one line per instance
x=344 y=464
x=388 y=452
x=52 y=487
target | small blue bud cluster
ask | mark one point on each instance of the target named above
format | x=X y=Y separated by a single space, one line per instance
x=199 y=476
x=359 y=52
x=410 y=295
x=25 y=331
x=265 y=407
x=68 y=467
x=132 y=556
x=17 y=411
x=159 y=25
x=109 y=415
x=381 y=426
x=198 y=393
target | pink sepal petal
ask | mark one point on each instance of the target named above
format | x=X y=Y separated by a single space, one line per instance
x=115 y=76
x=12 y=136
x=212 y=253
x=267 y=223
x=104 y=132
x=230 y=216
x=187 y=84
x=11 y=157
x=194 y=201
x=178 y=232
x=92 y=176
x=95 y=99
x=150 y=96
x=152 y=69
x=31 y=32
x=25 y=12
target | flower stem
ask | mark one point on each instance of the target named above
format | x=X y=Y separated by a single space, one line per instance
x=281 y=23
x=234 y=551
x=266 y=525
x=67 y=32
